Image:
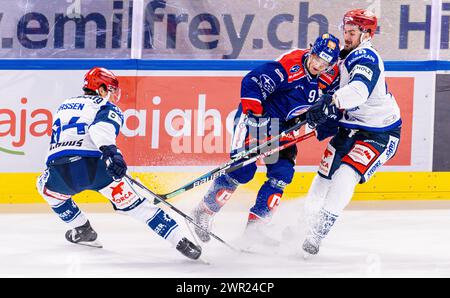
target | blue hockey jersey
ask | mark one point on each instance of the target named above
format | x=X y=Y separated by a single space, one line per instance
x=284 y=88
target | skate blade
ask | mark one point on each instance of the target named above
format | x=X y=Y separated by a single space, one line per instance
x=198 y=234
x=195 y=237
x=201 y=239
x=203 y=260
x=96 y=244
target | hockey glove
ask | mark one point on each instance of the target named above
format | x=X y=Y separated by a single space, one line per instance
x=115 y=164
x=258 y=126
x=329 y=128
x=319 y=112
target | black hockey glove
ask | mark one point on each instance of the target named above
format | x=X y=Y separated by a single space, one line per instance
x=321 y=110
x=330 y=127
x=115 y=164
x=258 y=126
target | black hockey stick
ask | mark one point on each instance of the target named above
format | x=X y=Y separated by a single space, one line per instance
x=181 y=213
x=247 y=157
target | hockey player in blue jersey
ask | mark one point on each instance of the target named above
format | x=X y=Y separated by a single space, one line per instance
x=369 y=131
x=83 y=156
x=273 y=95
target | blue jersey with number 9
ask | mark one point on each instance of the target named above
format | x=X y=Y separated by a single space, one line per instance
x=284 y=88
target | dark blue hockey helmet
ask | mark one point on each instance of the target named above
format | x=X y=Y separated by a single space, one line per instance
x=327 y=48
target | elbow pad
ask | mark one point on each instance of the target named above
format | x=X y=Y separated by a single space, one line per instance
x=102 y=134
x=352 y=95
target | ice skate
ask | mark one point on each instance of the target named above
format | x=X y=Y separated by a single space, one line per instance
x=310 y=246
x=324 y=221
x=189 y=249
x=83 y=235
x=257 y=234
x=203 y=216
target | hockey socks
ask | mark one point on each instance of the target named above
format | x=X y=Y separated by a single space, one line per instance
x=81 y=232
x=69 y=212
x=220 y=192
x=268 y=198
x=203 y=217
x=163 y=225
x=166 y=227
x=324 y=221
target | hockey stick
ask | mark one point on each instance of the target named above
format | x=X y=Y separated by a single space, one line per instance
x=228 y=167
x=269 y=152
x=181 y=213
x=221 y=170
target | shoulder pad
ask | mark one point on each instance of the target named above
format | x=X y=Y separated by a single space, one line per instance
x=329 y=76
x=359 y=56
x=115 y=108
x=292 y=63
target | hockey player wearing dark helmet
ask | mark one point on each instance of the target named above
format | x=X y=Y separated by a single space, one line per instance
x=273 y=96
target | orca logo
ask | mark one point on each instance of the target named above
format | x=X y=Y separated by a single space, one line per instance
x=119 y=195
x=117 y=190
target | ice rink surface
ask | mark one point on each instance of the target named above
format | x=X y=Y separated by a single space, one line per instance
x=371 y=239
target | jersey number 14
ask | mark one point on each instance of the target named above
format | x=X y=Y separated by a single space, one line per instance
x=73 y=123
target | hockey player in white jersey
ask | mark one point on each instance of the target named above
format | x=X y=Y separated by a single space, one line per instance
x=368 y=133
x=83 y=156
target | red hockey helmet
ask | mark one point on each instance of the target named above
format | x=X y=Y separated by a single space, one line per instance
x=364 y=19
x=99 y=76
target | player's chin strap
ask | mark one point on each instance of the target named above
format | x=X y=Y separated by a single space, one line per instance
x=244 y=158
x=132 y=182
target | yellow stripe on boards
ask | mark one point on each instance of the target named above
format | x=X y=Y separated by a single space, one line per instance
x=20 y=188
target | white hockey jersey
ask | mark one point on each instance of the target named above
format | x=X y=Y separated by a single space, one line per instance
x=363 y=92
x=82 y=125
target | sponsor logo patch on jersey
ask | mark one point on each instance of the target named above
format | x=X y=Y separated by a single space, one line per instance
x=331 y=72
x=114 y=117
x=280 y=74
x=74 y=143
x=362 y=154
x=363 y=157
x=327 y=160
x=267 y=83
x=362 y=70
x=391 y=147
x=223 y=196
x=297 y=112
x=274 y=201
x=294 y=68
x=122 y=195
x=373 y=170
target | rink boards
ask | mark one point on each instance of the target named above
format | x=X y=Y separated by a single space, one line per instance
x=178 y=123
x=18 y=188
